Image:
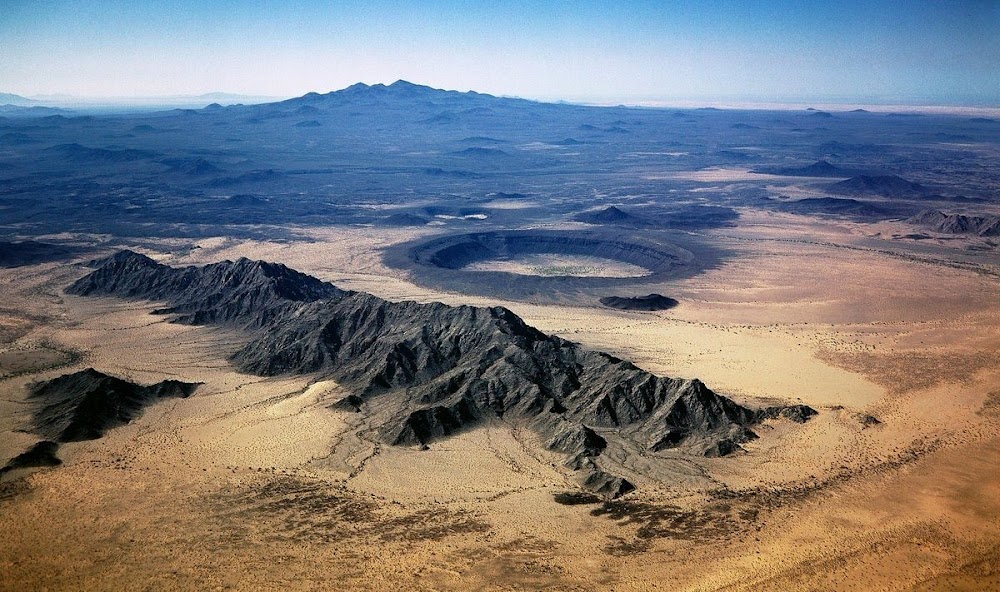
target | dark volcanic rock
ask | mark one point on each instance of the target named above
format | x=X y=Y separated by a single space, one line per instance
x=882 y=185
x=480 y=151
x=246 y=200
x=349 y=403
x=85 y=404
x=684 y=217
x=650 y=302
x=835 y=206
x=248 y=293
x=820 y=168
x=609 y=215
x=958 y=223
x=16 y=254
x=253 y=177
x=440 y=369
x=83 y=154
x=42 y=454
x=403 y=220
x=606 y=484
x=190 y=166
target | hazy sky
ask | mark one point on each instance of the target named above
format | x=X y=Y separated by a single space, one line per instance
x=937 y=52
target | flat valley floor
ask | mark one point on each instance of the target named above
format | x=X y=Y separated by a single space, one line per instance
x=256 y=483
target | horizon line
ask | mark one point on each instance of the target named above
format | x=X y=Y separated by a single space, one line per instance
x=873 y=104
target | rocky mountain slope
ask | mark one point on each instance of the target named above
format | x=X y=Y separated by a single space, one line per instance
x=957 y=223
x=880 y=185
x=820 y=168
x=440 y=369
x=83 y=406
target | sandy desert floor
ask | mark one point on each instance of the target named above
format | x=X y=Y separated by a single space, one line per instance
x=255 y=483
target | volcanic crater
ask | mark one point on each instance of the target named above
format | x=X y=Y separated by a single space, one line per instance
x=533 y=264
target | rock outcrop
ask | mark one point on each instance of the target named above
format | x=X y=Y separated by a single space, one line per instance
x=957 y=223
x=83 y=406
x=647 y=303
x=880 y=185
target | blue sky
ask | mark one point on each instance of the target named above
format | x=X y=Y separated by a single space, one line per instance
x=839 y=50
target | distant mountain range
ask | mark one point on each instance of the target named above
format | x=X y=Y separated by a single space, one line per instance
x=440 y=107
x=821 y=168
x=396 y=90
x=31 y=111
x=17 y=100
x=70 y=102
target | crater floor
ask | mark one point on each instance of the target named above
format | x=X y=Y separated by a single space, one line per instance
x=549 y=265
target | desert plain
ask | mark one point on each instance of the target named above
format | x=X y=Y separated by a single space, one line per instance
x=259 y=482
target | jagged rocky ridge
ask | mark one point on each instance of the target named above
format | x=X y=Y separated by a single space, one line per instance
x=83 y=406
x=957 y=223
x=442 y=368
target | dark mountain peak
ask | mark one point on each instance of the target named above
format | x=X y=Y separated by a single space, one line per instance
x=613 y=213
x=882 y=185
x=927 y=216
x=190 y=166
x=397 y=88
x=609 y=215
x=125 y=259
x=112 y=155
x=401 y=90
x=85 y=404
x=820 y=168
x=42 y=454
x=288 y=283
x=245 y=293
x=479 y=151
x=92 y=374
x=438 y=370
x=957 y=223
x=406 y=86
x=822 y=165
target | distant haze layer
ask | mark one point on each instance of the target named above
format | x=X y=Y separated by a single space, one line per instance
x=932 y=53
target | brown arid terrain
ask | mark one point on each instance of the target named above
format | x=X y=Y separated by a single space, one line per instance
x=256 y=483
